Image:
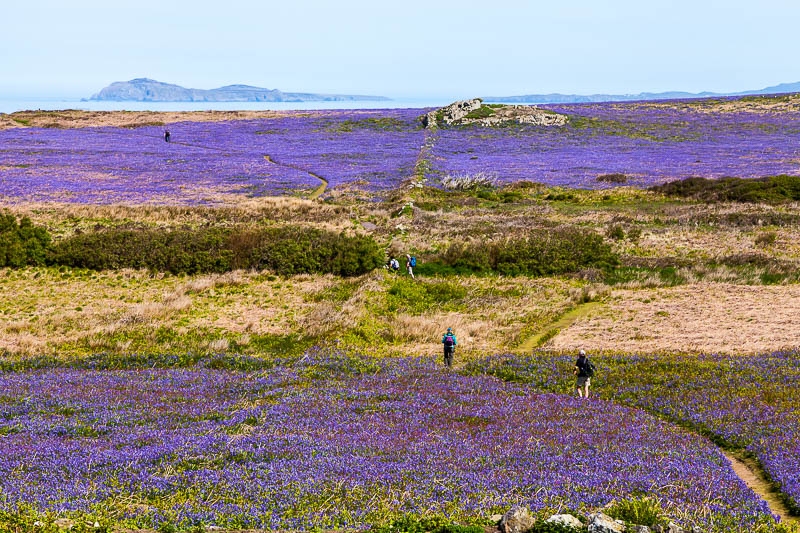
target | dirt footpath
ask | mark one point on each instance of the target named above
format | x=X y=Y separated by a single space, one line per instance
x=710 y=317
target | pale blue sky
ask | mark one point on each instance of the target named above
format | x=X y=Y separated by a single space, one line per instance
x=406 y=48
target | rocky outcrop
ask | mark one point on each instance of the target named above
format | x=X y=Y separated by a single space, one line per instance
x=520 y=520
x=476 y=112
x=147 y=90
x=601 y=523
x=565 y=520
x=517 y=520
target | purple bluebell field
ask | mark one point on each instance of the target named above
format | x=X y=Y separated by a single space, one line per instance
x=377 y=150
x=746 y=402
x=208 y=162
x=333 y=441
x=648 y=143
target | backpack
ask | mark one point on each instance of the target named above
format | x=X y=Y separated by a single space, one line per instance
x=413 y=261
x=448 y=341
x=589 y=369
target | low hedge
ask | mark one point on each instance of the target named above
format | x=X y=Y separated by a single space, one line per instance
x=284 y=250
x=540 y=253
x=771 y=189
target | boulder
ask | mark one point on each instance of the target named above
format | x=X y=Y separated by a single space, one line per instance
x=565 y=519
x=517 y=520
x=674 y=528
x=602 y=523
x=639 y=529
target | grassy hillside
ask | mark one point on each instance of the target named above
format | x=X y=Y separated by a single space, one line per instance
x=670 y=254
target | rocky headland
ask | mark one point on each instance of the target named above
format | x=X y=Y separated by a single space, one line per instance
x=147 y=90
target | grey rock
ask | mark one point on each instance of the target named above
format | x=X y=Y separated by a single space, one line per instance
x=565 y=519
x=602 y=523
x=674 y=528
x=639 y=529
x=517 y=520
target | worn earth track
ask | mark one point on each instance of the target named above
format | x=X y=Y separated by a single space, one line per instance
x=752 y=474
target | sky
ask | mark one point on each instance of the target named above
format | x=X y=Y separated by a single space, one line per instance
x=400 y=49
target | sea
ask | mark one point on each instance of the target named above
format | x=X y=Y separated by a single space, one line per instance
x=11 y=105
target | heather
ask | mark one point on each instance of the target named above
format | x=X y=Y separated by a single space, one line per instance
x=330 y=440
x=741 y=402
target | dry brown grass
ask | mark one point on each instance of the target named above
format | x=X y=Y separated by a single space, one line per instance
x=704 y=317
x=66 y=219
x=48 y=312
x=125 y=119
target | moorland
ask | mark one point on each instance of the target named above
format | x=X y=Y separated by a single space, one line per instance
x=203 y=332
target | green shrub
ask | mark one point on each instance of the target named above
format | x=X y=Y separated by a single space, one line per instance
x=285 y=250
x=410 y=523
x=541 y=253
x=22 y=243
x=767 y=238
x=613 y=178
x=771 y=189
x=641 y=511
x=616 y=232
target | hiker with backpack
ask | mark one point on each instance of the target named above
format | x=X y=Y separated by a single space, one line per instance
x=411 y=262
x=449 y=342
x=394 y=265
x=584 y=370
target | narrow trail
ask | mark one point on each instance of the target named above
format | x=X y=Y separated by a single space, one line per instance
x=316 y=193
x=564 y=321
x=752 y=474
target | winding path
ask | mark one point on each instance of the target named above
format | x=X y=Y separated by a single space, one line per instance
x=748 y=470
x=316 y=193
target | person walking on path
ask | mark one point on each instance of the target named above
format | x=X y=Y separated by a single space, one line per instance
x=411 y=262
x=583 y=372
x=449 y=342
x=166 y=135
x=394 y=264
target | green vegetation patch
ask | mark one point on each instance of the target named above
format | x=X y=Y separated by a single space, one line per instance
x=285 y=250
x=22 y=243
x=540 y=253
x=771 y=189
x=375 y=124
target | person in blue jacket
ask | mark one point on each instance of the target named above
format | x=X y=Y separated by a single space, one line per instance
x=449 y=342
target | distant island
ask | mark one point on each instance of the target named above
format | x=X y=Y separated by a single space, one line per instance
x=556 y=98
x=147 y=90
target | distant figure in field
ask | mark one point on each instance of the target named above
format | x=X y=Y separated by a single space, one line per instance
x=411 y=262
x=584 y=370
x=449 y=342
x=394 y=264
x=166 y=135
